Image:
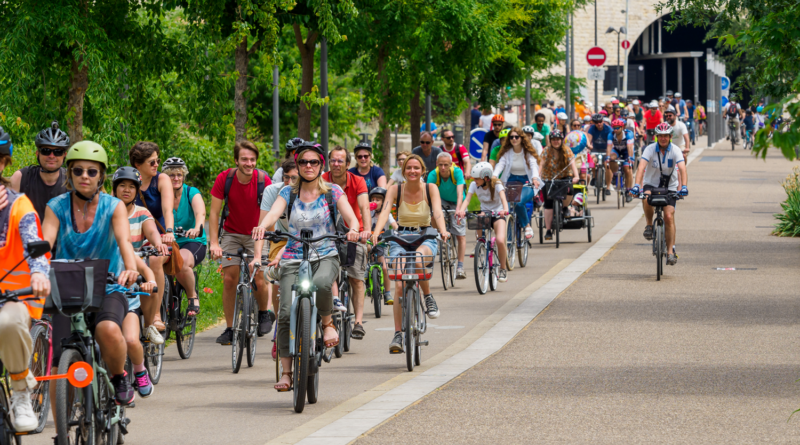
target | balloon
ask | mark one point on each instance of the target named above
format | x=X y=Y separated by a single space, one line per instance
x=576 y=141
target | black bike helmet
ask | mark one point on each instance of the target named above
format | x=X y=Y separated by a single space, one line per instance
x=596 y=118
x=52 y=137
x=128 y=173
x=6 y=147
x=310 y=145
x=363 y=146
x=378 y=191
x=173 y=162
x=293 y=143
x=555 y=134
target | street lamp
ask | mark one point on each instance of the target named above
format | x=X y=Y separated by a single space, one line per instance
x=621 y=30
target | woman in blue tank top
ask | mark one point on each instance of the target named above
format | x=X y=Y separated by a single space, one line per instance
x=156 y=188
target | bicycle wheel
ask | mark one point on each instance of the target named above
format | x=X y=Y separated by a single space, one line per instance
x=74 y=406
x=312 y=391
x=377 y=292
x=184 y=337
x=588 y=223
x=410 y=326
x=657 y=245
x=557 y=221
x=620 y=198
x=522 y=248
x=251 y=338
x=40 y=395
x=278 y=366
x=153 y=360
x=338 y=322
x=347 y=322
x=494 y=265
x=443 y=260
x=511 y=243
x=302 y=354
x=451 y=244
x=481 y=268
x=105 y=410
x=419 y=315
x=166 y=295
x=540 y=223
x=238 y=330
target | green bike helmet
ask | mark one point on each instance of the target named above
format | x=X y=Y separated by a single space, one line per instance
x=504 y=132
x=87 y=151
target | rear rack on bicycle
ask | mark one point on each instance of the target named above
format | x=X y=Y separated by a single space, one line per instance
x=404 y=267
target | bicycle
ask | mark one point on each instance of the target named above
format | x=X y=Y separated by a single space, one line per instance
x=600 y=179
x=517 y=244
x=344 y=323
x=732 y=127
x=404 y=267
x=448 y=253
x=153 y=354
x=486 y=274
x=245 y=312
x=618 y=180
x=659 y=201
x=308 y=349
x=40 y=365
x=748 y=143
x=375 y=281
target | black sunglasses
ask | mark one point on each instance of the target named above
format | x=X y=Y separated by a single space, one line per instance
x=515 y=136
x=311 y=162
x=92 y=172
x=52 y=151
x=447 y=137
x=362 y=156
x=425 y=142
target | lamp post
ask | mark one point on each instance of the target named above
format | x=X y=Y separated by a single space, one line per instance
x=619 y=31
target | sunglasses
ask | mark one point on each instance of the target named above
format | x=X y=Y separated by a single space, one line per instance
x=289 y=178
x=57 y=152
x=91 y=172
x=362 y=156
x=497 y=124
x=447 y=137
x=515 y=136
x=618 y=128
x=425 y=142
x=154 y=162
x=311 y=162
x=576 y=126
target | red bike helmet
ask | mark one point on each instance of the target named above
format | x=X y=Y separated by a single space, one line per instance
x=498 y=118
x=617 y=123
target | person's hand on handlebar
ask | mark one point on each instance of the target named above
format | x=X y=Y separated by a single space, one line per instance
x=255 y=265
x=460 y=214
x=352 y=235
x=445 y=235
x=364 y=236
x=537 y=183
x=635 y=190
x=258 y=232
x=40 y=285
x=127 y=277
x=163 y=249
x=147 y=287
x=374 y=238
x=575 y=179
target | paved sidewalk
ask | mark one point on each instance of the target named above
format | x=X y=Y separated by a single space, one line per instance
x=704 y=356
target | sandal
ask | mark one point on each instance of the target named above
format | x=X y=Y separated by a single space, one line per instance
x=194 y=307
x=330 y=343
x=283 y=387
x=160 y=326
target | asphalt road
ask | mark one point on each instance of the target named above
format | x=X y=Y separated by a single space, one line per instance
x=201 y=401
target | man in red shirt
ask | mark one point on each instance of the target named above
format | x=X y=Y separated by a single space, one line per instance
x=243 y=206
x=459 y=153
x=356 y=190
x=652 y=118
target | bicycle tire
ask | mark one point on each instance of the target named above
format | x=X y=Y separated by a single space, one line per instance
x=557 y=221
x=495 y=264
x=419 y=315
x=659 y=253
x=588 y=223
x=338 y=322
x=377 y=295
x=74 y=406
x=106 y=405
x=619 y=197
x=188 y=326
x=153 y=360
x=166 y=295
x=344 y=293
x=511 y=244
x=442 y=261
x=312 y=390
x=409 y=327
x=481 y=268
x=238 y=322
x=540 y=223
x=522 y=250
x=40 y=396
x=453 y=255
x=251 y=334
x=302 y=354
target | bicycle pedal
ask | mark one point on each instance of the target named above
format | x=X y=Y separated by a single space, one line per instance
x=423 y=342
x=131 y=405
x=123 y=425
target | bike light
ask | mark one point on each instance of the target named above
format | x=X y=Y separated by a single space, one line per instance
x=305 y=284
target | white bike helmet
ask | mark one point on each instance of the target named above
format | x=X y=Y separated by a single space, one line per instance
x=482 y=170
x=587 y=118
x=654 y=104
x=664 y=128
x=538 y=137
x=562 y=116
x=578 y=199
x=528 y=129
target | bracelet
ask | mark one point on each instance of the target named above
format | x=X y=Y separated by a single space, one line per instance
x=151 y=282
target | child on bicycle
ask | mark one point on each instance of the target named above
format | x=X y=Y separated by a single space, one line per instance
x=376 y=199
x=749 y=124
x=492 y=196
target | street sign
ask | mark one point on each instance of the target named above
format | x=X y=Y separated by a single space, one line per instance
x=596 y=56
x=724 y=83
x=724 y=101
x=596 y=73
x=476 y=142
x=625 y=44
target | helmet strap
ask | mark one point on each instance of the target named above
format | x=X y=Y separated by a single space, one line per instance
x=79 y=195
x=41 y=167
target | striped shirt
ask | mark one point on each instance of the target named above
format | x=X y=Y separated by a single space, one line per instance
x=137 y=219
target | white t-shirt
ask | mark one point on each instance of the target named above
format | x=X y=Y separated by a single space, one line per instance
x=668 y=165
x=678 y=130
x=397 y=175
x=486 y=122
x=485 y=197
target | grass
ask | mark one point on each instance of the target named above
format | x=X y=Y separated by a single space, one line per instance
x=210 y=295
x=789 y=220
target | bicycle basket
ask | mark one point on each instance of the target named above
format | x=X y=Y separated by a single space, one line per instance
x=403 y=267
x=478 y=222
x=557 y=189
x=513 y=191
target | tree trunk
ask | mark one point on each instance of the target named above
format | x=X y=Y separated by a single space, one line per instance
x=239 y=100
x=416 y=116
x=384 y=129
x=78 y=84
x=307 y=49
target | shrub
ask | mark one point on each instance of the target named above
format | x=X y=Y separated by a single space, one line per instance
x=789 y=220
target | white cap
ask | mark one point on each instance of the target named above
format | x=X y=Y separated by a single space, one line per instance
x=636 y=102
x=653 y=104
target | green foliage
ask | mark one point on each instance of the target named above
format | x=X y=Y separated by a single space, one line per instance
x=789 y=221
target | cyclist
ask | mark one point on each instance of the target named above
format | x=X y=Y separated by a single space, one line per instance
x=20 y=228
x=492 y=196
x=598 y=136
x=558 y=162
x=356 y=190
x=652 y=117
x=189 y=213
x=534 y=138
x=88 y=223
x=621 y=147
x=541 y=127
x=680 y=134
x=426 y=151
x=732 y=115
x=663 y=167
x=125 y=186
x=293 y=143
x=241 y=198
x=450 y=180
x=45 y=181
x=459 y=153
x=377 y=197
x=372 y=175
x=519 y=163
x=690 y=120
x=497 y=144
x=397 y=174
x=700 y=118
x=156 y=196
x=309 y=210
x=498 y=121
x=416 y=202
x=749 y=124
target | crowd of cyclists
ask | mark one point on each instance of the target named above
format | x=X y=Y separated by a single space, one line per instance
x=63 y=200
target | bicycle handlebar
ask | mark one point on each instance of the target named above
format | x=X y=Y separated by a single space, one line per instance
x=13 y=295
x=411 y=238
x=278 y=235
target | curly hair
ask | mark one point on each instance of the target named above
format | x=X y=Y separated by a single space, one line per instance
x=527 y=147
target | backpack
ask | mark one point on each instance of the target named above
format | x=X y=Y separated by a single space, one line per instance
x=452 y=175
x=261 y=176
x=338 y=222
x=460 y=151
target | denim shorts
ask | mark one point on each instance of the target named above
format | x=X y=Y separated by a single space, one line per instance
x=396 y=250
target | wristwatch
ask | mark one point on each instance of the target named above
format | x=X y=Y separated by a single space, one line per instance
x=170 y=231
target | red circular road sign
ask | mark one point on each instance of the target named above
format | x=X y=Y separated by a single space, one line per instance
x=596 y=56
x=625 y=44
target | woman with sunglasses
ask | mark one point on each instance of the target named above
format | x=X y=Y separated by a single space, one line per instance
x=309 y=211
x=518 y=162
x=366 y=169
x=157 y=196
x=583 y=162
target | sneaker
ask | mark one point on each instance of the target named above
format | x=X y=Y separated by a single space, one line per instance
x=123 y=391
x=396 y=346
x=502 y=276
x=648 y=233
x=152 y=334
x=337 y=304
x=265 y=320
x=672 y=259
x=549 y=235
x=387 y=298
x=607 y=192
x=628 y=197
x=358 y=332
x=528 y=232
x=143 y=384
x=433 y=309
x=591 y=183
x=25 y=419
x=226 y=337
x=611 y=188
x=460 y=274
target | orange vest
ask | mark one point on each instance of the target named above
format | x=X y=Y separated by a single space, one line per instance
x=12 y=253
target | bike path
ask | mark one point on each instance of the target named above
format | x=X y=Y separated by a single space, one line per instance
x=703 y=356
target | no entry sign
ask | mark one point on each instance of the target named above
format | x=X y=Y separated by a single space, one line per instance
x=596 y=56
x=625 y=44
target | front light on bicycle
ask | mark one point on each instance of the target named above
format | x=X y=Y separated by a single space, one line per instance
x=305 y=284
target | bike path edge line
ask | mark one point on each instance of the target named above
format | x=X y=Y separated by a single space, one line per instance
x=360 y=421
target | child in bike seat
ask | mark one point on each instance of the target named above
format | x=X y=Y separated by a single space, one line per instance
x=376 y=198
x=576 y=208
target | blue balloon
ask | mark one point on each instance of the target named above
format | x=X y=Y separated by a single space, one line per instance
x=576 y=141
